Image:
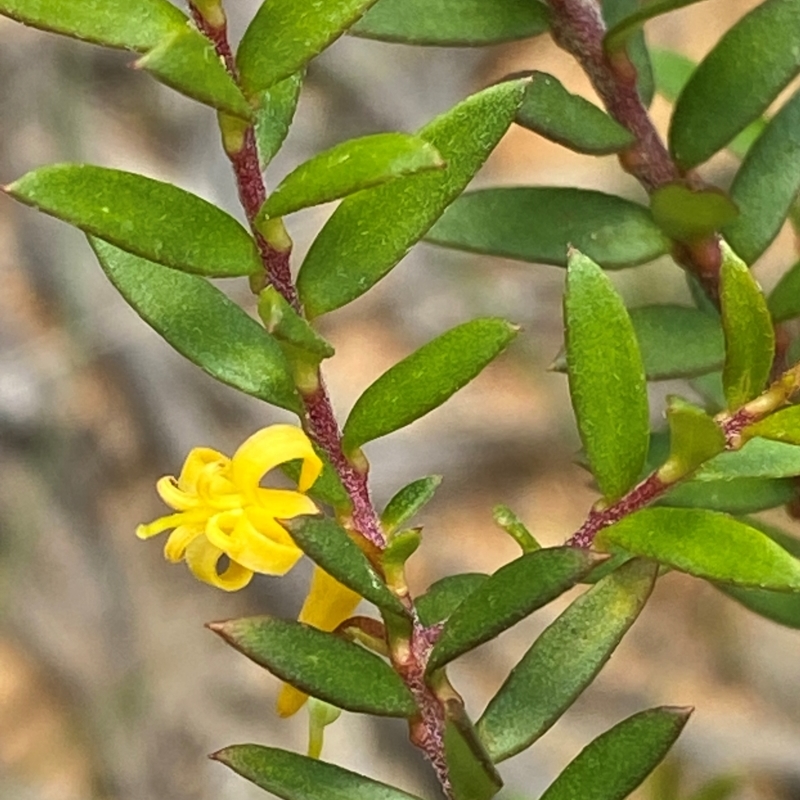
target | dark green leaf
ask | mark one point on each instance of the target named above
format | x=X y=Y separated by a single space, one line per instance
x=320 y=664
x=736 y=496
x=749 y=334
x=784 y=301
x=408 y=501
x=369 y=233
x=538 y=224
x=606 y=378
x=569 y=119
x=469 y=767
x=564 y=660
x=327 y=488
x=619 y=35
x=766 y=184
x=201 y=323
x=188 y=63
x=286 y=325
x=694 y=437
x=129 y=24
x=687 y=215
x=295 y=777
x=350 y=167
x=677 y=341
x=273 y=117
x=779 y=607
x=285 y=35
x=327 y=544
x=615 y=11
x=508 y=596
x=155 y=220
x=706 y=544
x=737 y=81
x=782 y=426
x=444 y=596
x=617 y=761
x=453 y=22
x=425 y=379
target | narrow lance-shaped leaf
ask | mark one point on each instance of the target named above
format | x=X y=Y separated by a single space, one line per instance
x=369 y=233
x=445 y=595
x=408 y=502
x=285 y=35
x=350 y=167
x=784 y=301
x=694 y=437
x=327 y=544
x=687 y=215
x=617 y=761
x=758 y=458
x=201 y=323
x=152 y=219
x=508 y=596
x=737 y=81
x=569 y=119
x=737 y=496
x=425 y=379
x=539 y=223
x=705 y=544
x=469 y=767
x=320 y=664
x=619 y=35
x=766 y=184
x=606 y=378
x=564 y=660
x=188 y=63
x=782 y=426
x=128 y=24
x=286 y=325
x=274 y=114
x=295 y=777
x=452 y=23
x=749 y=334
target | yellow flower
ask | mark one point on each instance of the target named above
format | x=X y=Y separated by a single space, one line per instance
x=222 y=510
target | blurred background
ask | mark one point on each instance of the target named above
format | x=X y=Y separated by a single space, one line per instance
x=110 y=687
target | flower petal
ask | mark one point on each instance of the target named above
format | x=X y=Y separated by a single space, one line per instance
x=197 y=460
x=202 y=558
x=267 y=449
x=328 y=604
x=285 y=503
x=180 y=539
x=160 y=525
x=261 y=547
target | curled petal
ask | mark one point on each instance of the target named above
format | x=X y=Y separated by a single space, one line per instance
x=175 y=497
x=328 y=604
x=202 y=558
x=269 y=448
x=180 y=539
x=197 y=460
x=254 y=540
x=284 y=503
x=215 y=488
x=160 y=525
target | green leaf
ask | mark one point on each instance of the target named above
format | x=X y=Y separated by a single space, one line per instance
x=201 y=323
x=188 y=63
x=506 y=519
x=671 y=72
x=694 y=436
x=453 y=23
x=350 y=167
x=155 y=220
x=737 y=81
x=784 y=301
x=782 y=426
x=425 y=379
x=295 y=777
x=606 y=378
x=613 y=12
x=766 y=184
x=687 y=214
x=538 y=224
x=286 y=325
x=320 y=664
x=759 y=458
x=508 y=596
x=128 y=24
x=445 y=595
x=369 y=233
x=619 y=35
x=564 y=660
x=408 y=502
x=705 y=544
x=617 y=761
x=677 y=341
x=327 y=488
x=736 y=496
x=749 y=334
x=285 y=35
x=569 y=119
x=327 y=544
x=469 y=767
x=779 y=607
x=274 y=114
